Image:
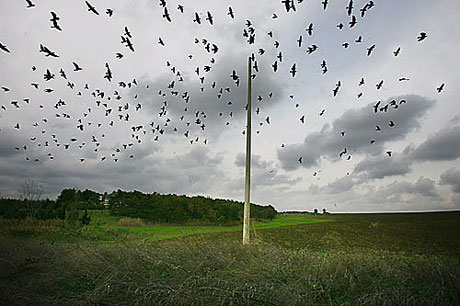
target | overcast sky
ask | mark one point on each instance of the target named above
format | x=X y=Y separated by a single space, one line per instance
x=369 y=121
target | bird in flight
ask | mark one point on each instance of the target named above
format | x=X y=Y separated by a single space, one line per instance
x=422 y=36
x=30 y=4
x=352 y=22
x=325 y=2
x=166 y=14
x=293 y=70
x=180 y=8
x=288 y=4
x=230 y=12
x=54 y=19
x=108 y=73
x=396 y=52
x=47 y=51
x=4 y=48
x=440 y=88
x=91 y=8
x=309 y=29
x=197 y=18
x=370 y=49
x=312 y=49
x=210 y=18
x=109 y=12
x=76 y=67
x=349 y=7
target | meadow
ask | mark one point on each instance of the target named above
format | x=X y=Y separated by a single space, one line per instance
x=371 y=259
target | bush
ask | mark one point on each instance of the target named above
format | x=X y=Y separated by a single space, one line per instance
x=86 y=218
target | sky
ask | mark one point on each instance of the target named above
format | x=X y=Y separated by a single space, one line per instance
x=358 y=116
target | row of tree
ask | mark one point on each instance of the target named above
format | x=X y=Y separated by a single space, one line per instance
x=173 y=208
x=152 y=207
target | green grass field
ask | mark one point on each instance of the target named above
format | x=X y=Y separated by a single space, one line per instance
x=371 y=259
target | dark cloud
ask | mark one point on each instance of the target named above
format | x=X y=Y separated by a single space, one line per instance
x=224 y=103
x=381 y=166
x=340 y=185
x=359 y=126
x=263 y=173
x=443 y=145
x=451 y=177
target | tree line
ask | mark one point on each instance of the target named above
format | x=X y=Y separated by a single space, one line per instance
x=73 y=205
x=173 y=208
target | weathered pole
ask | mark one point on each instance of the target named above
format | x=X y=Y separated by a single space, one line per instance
x=248 y=162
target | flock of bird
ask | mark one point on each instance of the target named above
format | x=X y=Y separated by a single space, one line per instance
x=117 y=108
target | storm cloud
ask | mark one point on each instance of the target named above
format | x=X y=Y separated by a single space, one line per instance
x=359 y=128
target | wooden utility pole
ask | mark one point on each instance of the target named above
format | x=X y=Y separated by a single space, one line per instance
x=248 y=163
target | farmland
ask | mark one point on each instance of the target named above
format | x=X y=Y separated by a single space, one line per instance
x=294 y=259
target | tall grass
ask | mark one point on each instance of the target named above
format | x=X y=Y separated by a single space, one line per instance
x=401 y=261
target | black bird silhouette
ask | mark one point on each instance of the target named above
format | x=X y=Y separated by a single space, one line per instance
x=166 y=14
x=4 y=48
x=275 y=66
x=324 y=66
x=62 y=74
x=370 y=49
x=389 y=153
x=379 y=85
x=340 y=26
x=4 y=88
x=422 y=36
x=274 y=16
x=209 y=18
x=345 y=45
x=309 y=29
x=396 y=52
x=300 y=159
x=391 y=123
x=76 y=67
x=359 y=39
x=302 y=119
x=127 y=32
x=180 y=8
x=109 y=12
x=352 y=22
x=440 y=88
x=376 y=106
x=299 y=41
x=108 y=73
x=54 y=20
x=160 y=41
x=230 y=12
x=377 y=128
x=403 y=79
x=349 y=7
x=91 y=8
x=361 y=82
x=48 y=75
x=128 y=43
x=312 y=49
x=197 y=18
x=47 y=51
x=288 y=4
x=30 y=4
x=325 y=2
x=118 y=55
x=293 y=70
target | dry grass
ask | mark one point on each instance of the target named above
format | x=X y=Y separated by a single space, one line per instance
x=127 y=221
x=340 y=263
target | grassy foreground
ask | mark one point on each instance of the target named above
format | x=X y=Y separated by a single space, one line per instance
x=355 y=259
